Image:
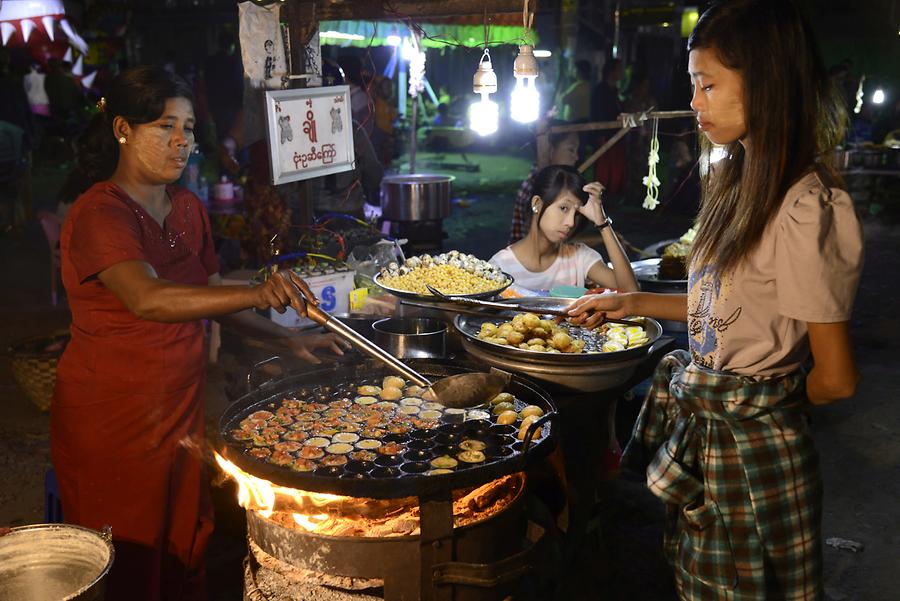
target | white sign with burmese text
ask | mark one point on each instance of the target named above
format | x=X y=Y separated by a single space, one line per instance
x=310 y=133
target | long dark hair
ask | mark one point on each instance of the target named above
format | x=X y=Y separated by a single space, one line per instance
x=793 y=116
x=139 y=96
x=553 y=180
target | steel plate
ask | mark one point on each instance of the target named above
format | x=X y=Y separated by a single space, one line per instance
x=469 y=325
x=430 y=298
x=647 y=273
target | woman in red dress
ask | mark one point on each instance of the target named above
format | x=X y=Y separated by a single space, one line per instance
x=140 y=270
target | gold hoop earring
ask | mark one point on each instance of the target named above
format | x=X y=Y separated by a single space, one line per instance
x=122 y=140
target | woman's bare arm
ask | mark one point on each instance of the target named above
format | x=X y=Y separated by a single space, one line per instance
x=137 y=285
x=621 y=274
x=834 y=375
x=590 y=309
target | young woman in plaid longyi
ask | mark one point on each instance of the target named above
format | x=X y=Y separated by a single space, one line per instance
x=772 y=278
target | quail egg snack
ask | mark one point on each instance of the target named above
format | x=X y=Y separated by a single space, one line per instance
x=527 y=331
x=451 y=273
x=381 y=428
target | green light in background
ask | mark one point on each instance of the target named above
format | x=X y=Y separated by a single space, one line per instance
x=689 y=19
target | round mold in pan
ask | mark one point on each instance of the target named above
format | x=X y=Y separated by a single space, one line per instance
x=445 y=439
x=415 y=467
x=504 y=429
x=399 y=438
x=423 y=434
x=446 y=449
x=389 y=460
x=386 y=472
x=329 y=471
x=451 y=428
x=359 y=467
x=417 y=456
x=421 y=445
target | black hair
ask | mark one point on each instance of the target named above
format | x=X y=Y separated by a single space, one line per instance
x=583 y=68
x=553 y=180
x=793 y=115
x=139 y=96
x=352 y=67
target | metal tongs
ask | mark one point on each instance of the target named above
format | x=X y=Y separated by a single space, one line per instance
x=457 y=391
x=495 y=306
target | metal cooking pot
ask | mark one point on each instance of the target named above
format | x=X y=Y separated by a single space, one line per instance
x=55 y=561
x=416 y=197
x=412 y=338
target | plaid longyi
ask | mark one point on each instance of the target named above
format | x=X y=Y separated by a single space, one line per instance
x=733 y=459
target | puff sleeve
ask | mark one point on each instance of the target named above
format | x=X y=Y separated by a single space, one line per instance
x=103 y=234
x=818 y=256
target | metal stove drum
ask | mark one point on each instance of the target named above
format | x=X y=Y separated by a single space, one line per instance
x=392 y=525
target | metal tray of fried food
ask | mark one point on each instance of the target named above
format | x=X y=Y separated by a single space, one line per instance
x=469 y=326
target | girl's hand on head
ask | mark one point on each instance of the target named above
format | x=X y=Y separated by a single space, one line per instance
x=593 y=208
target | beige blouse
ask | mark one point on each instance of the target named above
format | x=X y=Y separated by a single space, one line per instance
x=805 y=269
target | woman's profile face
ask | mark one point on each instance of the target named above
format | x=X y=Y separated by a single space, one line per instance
x=566 y=152
x=718 y=97
x=559 y=219
x=159 y=150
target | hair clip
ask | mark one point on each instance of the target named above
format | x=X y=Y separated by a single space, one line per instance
x=101 y=104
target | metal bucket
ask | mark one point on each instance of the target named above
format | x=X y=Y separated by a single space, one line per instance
x=417 y=338
x=416 y=197
x=49 y=562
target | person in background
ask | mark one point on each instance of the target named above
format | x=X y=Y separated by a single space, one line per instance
x=605 y=106
x=576 y=100
x=385 y=115
x=224 y=76
x=361 y=103
x=65 y=96
x=724 y=436
x=140 y=272
x=443 y=117
x=561 y=201
x=563 y=151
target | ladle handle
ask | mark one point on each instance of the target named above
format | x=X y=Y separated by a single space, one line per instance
x=335 y=325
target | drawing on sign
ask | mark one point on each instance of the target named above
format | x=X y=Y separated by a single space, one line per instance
x=310 y=133
x=284 y=124
x=269 y=67
x=337 y=124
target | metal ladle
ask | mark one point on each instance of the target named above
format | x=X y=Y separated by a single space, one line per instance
x=457 y=391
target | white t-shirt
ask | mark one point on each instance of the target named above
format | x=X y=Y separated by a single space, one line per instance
x=569 y=269
x=805 y=269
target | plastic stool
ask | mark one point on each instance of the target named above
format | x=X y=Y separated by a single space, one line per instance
x=52 y=503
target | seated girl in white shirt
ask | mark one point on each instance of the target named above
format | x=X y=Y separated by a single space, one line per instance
x=543 y=259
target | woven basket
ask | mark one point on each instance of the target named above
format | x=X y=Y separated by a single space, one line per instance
x=33 y=363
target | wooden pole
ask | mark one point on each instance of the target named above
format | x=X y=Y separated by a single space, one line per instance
x=302 y=24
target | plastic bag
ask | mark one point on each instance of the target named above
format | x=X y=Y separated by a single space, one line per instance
x=368 y=260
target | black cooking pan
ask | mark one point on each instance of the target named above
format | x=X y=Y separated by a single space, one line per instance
x=397 y=476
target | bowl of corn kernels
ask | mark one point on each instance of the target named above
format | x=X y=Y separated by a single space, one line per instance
x=452 y=273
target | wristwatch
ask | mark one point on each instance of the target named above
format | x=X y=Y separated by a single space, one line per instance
x=605 y=224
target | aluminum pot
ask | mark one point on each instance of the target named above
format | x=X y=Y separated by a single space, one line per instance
x=416 y=338
x=416 y=197
x=55 y=561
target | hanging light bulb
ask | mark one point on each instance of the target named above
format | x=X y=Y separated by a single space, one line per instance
x=484 y=114
x=525 y=102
